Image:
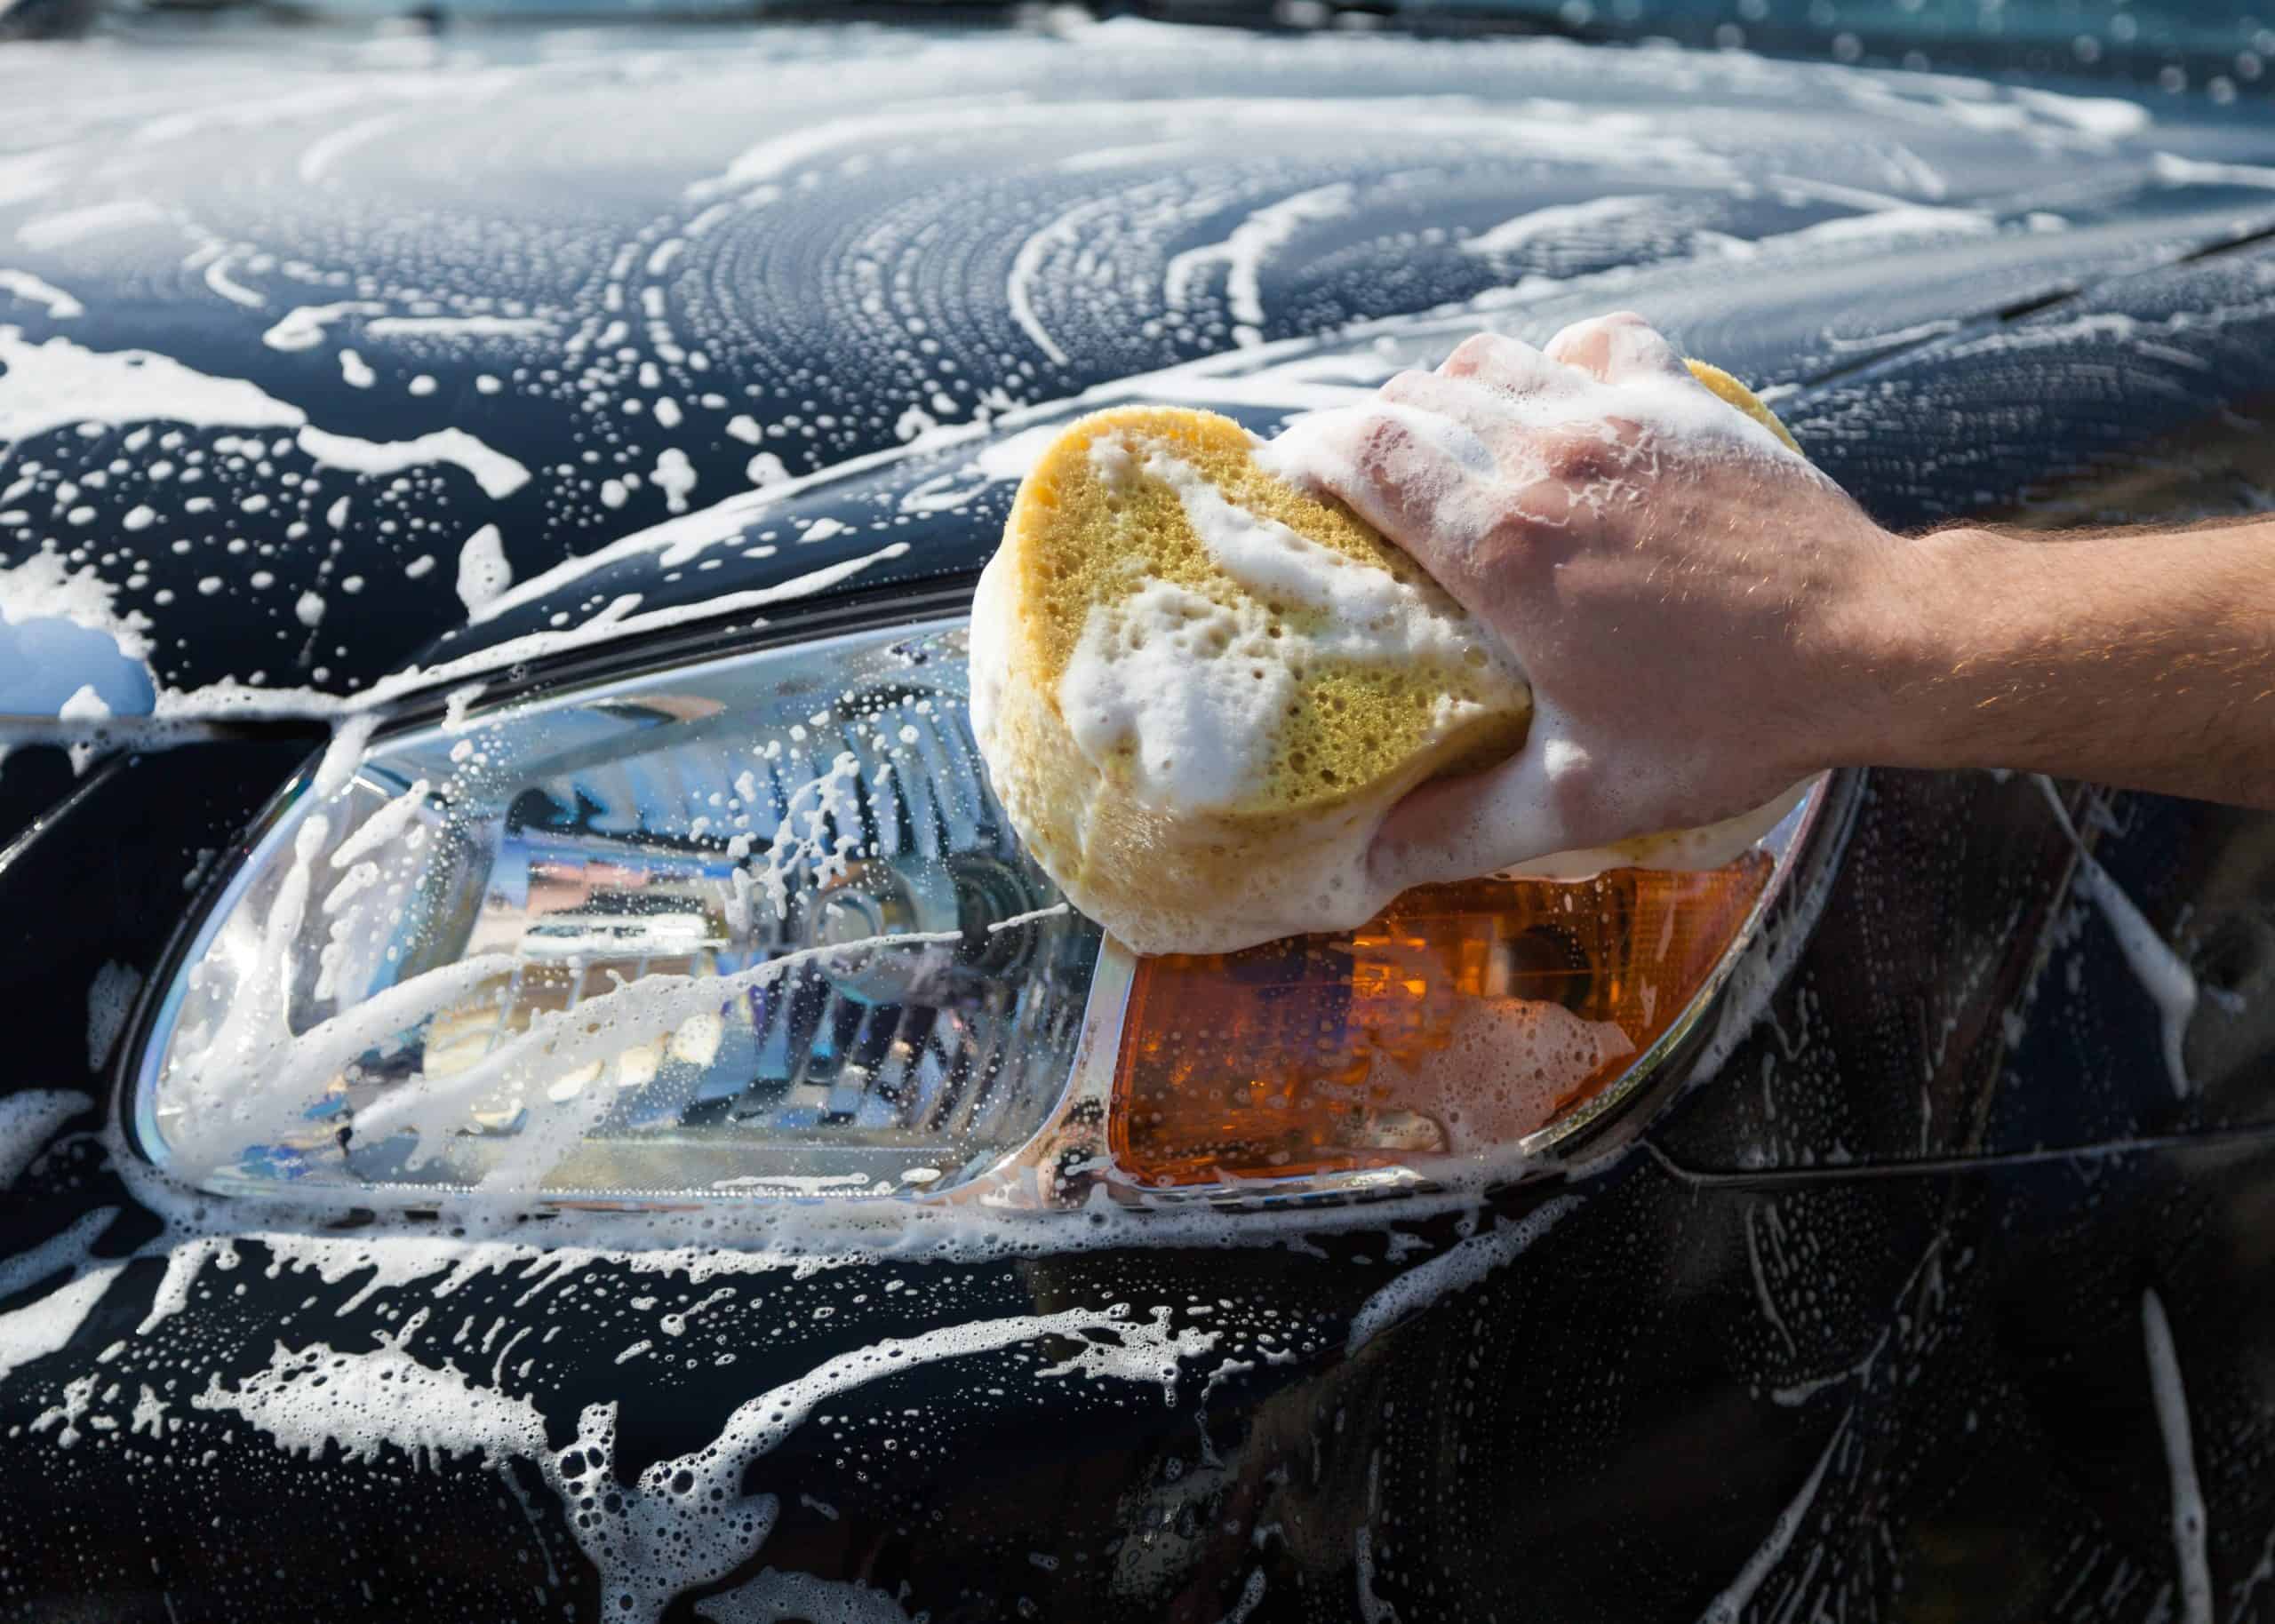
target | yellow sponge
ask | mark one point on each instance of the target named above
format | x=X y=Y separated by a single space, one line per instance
x=1080 y=539
x=1198 y=689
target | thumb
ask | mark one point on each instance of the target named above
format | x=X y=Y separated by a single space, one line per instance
x=1534 y=804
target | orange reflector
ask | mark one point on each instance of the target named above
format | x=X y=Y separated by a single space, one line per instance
x=1461 y=1018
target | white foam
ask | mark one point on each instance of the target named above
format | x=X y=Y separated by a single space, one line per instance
x=498 y=475
x=38 y=291
x=1457 y=1269
x=66 y=653
x=687 y=1521
x=2163 y=974
x=382 y=826
x=459 y=327
x=1506 y=1064
x=1371 y=614
x=1253 y=242
x=1559 y=220
x=2176 y=171
x=2188 y=1521
x=40 y=1329
x=110 y=997
x=311 y=1399
x=318 y=156
x=1199 y=687
x=1027 y=268
x=773 y=1597
x=1174 y=674
x=28 y=1120
x=1730 y=1605
x=69 y=225
x=59 y=385
x=674 y=475
x=303 y=327
x=483 y=571
x=218 y=280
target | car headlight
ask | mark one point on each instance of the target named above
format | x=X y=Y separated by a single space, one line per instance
x=755 y=926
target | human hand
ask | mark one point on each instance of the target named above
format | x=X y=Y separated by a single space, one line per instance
x=1702 y=614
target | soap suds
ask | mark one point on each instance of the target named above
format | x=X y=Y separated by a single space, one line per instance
x=774 y=1597
x=305 y=326
x=683 y=1522
x=67 y=226
x=1506 y=1065
x=59 y=385
x=1558 y=222
x=41 y=1327
x=29 y=1122
x=2163 y=975
x=1730 y=1605
x=483 y=572
x=674 y=475
x=1171 y=671
x=459 y=327
x=498 y=475
x=1457 y=1269
x=1242 y=254
x=62 y=636
x=2188 y=1522
x=1199 y=687
x=38 y=291
x=111 y=998
x=317 y=157
x=312 y=1398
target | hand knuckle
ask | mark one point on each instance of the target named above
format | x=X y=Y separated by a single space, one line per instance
x=1405 y=385
x=1576 y=457
x=1475 y=351
x=1380 y=434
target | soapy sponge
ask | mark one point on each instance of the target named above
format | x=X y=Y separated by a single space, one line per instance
x=1198 y=689
x=1093 y=523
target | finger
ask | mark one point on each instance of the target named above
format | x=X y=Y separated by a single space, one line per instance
x=1501 y=362
x=1314 y=449
x=1479 y=423
x=1475 y=405
x=1407 y=472
x=1616 y=346
x=1536 y=803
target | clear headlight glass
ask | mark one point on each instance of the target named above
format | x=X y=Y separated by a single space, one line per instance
x=738 y=927
x=756 y=927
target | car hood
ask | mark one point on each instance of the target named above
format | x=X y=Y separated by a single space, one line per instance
x=1760 y=1367
x=319 y=346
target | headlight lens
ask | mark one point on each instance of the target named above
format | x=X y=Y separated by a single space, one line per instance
x=756 y=927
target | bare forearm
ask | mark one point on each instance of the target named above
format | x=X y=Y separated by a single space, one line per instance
x=2138 y=658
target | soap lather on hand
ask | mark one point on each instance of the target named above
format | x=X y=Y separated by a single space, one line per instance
x=1629 y=535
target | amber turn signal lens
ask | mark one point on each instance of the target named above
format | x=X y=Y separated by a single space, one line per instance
x=1459 y=1020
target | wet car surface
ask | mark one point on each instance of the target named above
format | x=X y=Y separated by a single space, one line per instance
x=1934 y=1290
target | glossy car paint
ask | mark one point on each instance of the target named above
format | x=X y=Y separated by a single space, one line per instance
x=1935 y=1293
